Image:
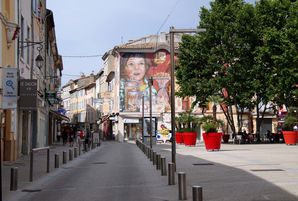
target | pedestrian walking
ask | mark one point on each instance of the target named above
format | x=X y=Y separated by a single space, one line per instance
x=87 y=141
x=65 y=134
x=71 y=136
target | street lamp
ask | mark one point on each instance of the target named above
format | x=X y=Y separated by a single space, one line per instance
x=39 y=60
x=150 y=106
x=172 y=61
x=143 y=118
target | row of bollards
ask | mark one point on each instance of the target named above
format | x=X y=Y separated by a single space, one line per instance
x=160 y=163
x=72 y=153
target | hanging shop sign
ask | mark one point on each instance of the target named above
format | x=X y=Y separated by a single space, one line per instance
x=28 y=94
x=10 y=88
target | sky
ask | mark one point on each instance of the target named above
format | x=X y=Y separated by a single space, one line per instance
x=86 y=29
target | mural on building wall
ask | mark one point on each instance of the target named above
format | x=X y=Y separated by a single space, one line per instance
x=136 y=69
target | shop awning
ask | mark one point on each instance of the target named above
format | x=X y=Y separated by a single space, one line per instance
x=59 y=116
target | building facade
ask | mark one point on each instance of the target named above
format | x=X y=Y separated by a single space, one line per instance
x=79 y=101
x=8 y=80
x=137 y=80
x=31 y=68
x=138 y=83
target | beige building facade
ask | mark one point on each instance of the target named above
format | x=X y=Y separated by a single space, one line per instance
x=8 y=62
x=31 y=71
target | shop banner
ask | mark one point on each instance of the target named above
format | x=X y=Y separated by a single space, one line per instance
x=10 y=88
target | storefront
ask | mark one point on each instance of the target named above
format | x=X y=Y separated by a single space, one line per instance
x=55 y=121
x=133 y=128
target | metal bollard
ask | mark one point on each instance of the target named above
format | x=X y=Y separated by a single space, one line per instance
x=70 y=156
x=151 y=155
x=48 y=160
x=144 y=149
x=171 y=176
x=148 y=152
x=158 y=161
x=163 y=166
x=182 y=186
x=154 y=158
x=14 y=179
x=64 y=157
x=197 y=193
x=56 y=160
x=76 y=152
x=79 y=148
x=31 y=166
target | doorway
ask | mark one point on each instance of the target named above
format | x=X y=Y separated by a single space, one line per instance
x=132 y=131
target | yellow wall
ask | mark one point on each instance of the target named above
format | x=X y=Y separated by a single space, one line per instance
x=8 y=58
x=8 y=50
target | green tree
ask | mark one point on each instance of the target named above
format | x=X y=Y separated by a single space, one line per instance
x=248 y=56
x=215 y=62
x=275 y=67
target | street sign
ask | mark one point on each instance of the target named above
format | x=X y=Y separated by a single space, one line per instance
x=10 y=88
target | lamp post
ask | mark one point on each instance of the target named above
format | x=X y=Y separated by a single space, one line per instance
x=143 y=119
x=172 y=61
x=150 y=112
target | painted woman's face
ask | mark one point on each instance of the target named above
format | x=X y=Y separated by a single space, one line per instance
x=135 y=68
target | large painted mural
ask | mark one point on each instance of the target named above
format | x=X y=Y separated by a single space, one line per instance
x=136 y=69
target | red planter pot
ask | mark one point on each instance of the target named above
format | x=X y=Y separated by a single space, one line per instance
x=179 y=137
x=189 y=138
x=212 y=141
x=290 y=137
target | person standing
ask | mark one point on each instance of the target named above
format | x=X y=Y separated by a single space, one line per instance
x=71 y=136
x=65 y=134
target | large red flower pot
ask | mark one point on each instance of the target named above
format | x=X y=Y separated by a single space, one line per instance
x=290 y=137
x=212 y=141
x=179 y=137
x=190 y=138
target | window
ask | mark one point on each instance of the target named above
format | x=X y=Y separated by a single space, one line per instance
x=37 y=6
x=185 y=104
x=111 y=105
x=110 y=85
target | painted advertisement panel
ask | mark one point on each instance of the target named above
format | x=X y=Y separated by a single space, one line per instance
x=136 y=70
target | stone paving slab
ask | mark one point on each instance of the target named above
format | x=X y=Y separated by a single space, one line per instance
x=239 y=172
x=39 y=164
x=236 y=172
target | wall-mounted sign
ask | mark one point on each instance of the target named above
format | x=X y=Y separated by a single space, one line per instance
x=28 y=94
x=131 y=121
x=10 y=88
